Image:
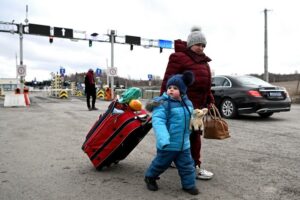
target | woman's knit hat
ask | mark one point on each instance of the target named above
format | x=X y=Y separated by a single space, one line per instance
x=182 y=81
x=195 y=37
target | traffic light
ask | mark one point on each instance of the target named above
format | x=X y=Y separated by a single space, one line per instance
x=51 y=40
x=90 y=43
x=131 y=47
x=160 y=50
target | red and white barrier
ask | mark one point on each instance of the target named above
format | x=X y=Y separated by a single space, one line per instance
x=16 y=100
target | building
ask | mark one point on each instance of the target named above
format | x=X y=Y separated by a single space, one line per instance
x=9 y=84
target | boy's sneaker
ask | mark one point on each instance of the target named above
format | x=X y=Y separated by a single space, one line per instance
x=172 y=165
x=203 y=174
x=151 y=183
x=192 y=191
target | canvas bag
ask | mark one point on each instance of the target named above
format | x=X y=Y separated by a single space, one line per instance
x=129 y=94
x=214 y=126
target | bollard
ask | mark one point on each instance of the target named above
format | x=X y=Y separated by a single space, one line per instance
x=100 y=94
x=26 y=90
x=78 y=93
x=63 y=94
x=107 y=94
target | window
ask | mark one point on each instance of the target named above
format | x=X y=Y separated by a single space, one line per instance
x=217 y=81
x=226 y=83
x=221 y=82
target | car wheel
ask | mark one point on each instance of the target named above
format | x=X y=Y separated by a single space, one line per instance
x=265 y=115
x=228 y=109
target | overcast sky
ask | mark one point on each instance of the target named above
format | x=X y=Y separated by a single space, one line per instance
x=234 y=30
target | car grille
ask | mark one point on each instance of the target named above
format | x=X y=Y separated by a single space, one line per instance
x=273 y=93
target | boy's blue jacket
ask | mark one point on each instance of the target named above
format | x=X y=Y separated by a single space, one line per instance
x=170 y=121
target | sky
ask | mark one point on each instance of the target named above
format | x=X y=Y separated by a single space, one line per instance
x=234 y=31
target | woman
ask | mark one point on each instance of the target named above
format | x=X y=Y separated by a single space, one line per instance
x=190 y=56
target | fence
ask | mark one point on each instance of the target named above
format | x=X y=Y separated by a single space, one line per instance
x=146 y=94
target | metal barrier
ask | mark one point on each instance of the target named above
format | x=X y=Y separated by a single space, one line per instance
x=149 y=94
x=146 y=94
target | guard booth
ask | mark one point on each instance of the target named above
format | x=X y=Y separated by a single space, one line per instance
x=8 y=84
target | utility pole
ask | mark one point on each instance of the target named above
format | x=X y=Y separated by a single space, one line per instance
x=266 y=73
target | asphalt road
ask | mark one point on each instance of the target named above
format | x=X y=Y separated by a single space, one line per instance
x=41 y=158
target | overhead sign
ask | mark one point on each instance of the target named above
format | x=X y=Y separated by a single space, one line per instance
x=39 y=29
x=166 y=44
x=63 y=32
x=132 y=40
x=112 y=71
x=21 y=70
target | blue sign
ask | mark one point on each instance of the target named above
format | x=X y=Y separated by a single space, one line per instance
x=167 y=44
x=79 y=86
x=150 y=77
x=62 y=71
x=98 y=72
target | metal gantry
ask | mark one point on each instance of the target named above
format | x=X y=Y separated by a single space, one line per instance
x=76 y=35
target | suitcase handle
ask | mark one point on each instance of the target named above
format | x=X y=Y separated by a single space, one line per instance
x=117 y=105
x=112 y=106
x=144 y=118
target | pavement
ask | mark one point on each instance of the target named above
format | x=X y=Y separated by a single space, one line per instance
x=41 y=158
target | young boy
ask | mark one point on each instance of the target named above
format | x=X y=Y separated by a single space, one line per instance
x=170 y=119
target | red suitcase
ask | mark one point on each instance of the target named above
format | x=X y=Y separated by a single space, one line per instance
x=115 y=135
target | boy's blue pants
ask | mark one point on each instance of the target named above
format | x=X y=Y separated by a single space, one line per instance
x=184 y=164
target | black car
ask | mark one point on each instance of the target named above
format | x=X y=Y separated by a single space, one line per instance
x=236 y=95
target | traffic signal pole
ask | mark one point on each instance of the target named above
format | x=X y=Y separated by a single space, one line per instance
x=112 y=38
x=22 y=78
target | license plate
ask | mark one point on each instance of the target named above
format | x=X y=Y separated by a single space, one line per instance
x=275 y=94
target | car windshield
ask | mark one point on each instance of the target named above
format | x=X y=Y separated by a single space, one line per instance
x=251 y=80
